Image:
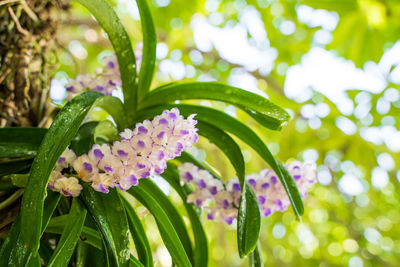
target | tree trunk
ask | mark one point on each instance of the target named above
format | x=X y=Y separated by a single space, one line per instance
x=27 y=60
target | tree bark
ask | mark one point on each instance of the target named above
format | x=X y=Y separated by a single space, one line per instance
x=27 y=60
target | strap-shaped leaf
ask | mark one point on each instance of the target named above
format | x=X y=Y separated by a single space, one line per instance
x=84 y=139
x=255 y=258
x=69 y=238
x=108 y=212
x=149 y=48
x=243 y=132
x=13 y=238
x=14 y=166
x=150 y=187
x=249 y=217
x=273 y=116
x=20 y=141
x=109 y=21
x=82 y=254
x=165 y=226
x=88 y=236
x=142 y=244
x=115 y=108
x=200 y=238
x=55 y=141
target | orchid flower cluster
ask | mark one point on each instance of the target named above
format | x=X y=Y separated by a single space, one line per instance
x=221 y=201
x=141 y=153
x=105 y=80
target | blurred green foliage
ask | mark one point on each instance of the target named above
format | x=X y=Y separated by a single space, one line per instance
x=338 y=228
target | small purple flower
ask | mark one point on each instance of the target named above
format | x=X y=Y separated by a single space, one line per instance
x=103 y=189
x=297 y=177
x=226 y=204
x=252 y=182
x=87 y=166
x=163 y=121
x=98 y=154
x=142 y=130
x=236 y=186
x=267 y=212
x=265 y=185
x=198 y=202
x=261 y=199
x=122 y=153
x=202 y=183
x=213 y=190
x=229 y=220
x=161 y=135
x=188 y=176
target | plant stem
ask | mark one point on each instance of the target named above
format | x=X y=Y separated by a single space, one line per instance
x=11 y=199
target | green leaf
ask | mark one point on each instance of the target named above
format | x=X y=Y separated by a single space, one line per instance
x=272 y=115
x=149 y=48
x=62 y=130
x=249 y=217
x=84 y=139
x=248 y=221
x=20 y=141
x=13 y=238
x=108 y=212
x=109 y=21
x=115 y=108
x=15 y=165
x=255 y=258
x=82 y=253
x=106 y=130
x=200 y=239
x=69 y=238
x=88 y=235
x=243 y=132
x=142 y=244
x=151 y=188
x=165 y=226
x=50 y=205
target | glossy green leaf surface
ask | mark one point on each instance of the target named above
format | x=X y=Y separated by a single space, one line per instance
x=119 y=38
x=200 y=251
x=57 y=138
x=149 y=48
x=88 y=235
x=165 y=226
x=20 y=141
x=273 y=116
x=69 y=238
x=115 y=108
x=139 y=237
x=14 y=166
x=255 y=258
x=248 y=222
x=108 y=212
x=84 y=139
